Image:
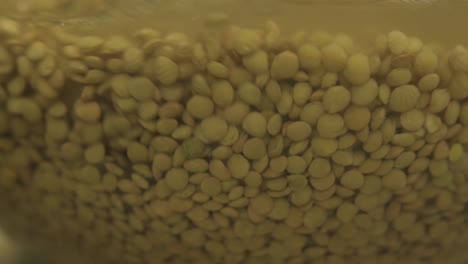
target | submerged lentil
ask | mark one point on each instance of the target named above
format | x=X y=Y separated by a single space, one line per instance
x=181 y=150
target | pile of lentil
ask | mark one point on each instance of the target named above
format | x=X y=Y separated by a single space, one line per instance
x=235 y=145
